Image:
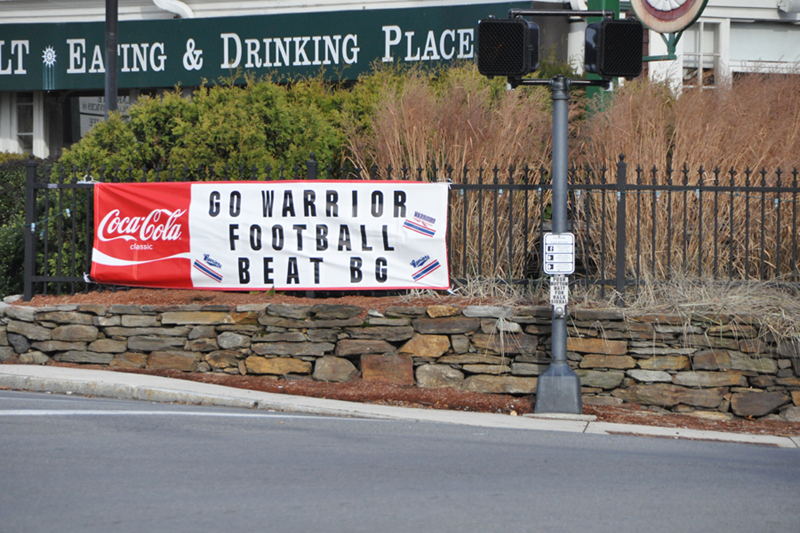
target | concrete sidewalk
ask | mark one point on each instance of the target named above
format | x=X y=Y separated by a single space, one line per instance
x=158 y=389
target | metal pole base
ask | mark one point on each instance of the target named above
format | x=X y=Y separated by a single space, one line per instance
x=559 y=390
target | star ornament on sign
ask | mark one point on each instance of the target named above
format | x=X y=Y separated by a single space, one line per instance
x=668 y=16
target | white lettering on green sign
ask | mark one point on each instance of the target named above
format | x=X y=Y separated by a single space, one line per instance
x=445 y=47
x=288 y=51
x=16 y=46
x=134 y=57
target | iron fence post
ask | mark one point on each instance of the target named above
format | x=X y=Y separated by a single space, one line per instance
x=311 y=167
x=622 y=184
x=311 y=174
x=30 y=230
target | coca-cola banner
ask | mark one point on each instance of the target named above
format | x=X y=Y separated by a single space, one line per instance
x=286 y=235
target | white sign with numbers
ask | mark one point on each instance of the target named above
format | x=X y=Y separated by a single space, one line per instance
x=559 y=253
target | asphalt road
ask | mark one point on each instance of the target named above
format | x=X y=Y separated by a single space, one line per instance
x=84 y=464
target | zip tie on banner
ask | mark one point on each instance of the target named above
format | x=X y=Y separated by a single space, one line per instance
x=86 y=278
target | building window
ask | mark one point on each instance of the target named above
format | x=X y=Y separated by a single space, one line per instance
x=701 y=55
x=25 y=121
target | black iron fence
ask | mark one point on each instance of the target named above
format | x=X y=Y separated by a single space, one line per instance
x=632 y=225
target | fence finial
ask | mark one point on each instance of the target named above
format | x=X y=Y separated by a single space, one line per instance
x=311 y=167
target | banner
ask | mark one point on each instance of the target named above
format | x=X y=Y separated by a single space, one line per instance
x=286 y=235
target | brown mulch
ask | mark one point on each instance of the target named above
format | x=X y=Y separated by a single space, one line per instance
x=170 y=297
x=382 y=393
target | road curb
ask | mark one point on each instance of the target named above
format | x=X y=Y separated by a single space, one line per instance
x=107 y=384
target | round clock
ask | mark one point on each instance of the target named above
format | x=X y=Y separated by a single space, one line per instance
x=668 y=16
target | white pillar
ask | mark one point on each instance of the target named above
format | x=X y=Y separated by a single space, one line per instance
x=7 y=112
x=724 y=48
x=576 y=41
x=670 y=72
x=40 y=147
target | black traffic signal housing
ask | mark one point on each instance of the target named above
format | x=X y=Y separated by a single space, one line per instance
x=507 y=47
x=614 y=48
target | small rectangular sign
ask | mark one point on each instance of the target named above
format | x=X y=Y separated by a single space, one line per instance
x=559 y=253
x=559 y=290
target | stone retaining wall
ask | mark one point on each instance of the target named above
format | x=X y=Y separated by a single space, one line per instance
x=716 y=367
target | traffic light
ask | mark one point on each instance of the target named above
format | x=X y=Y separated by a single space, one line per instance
x=614 y=48
x=507 y=47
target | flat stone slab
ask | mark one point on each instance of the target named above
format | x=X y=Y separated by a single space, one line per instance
x=333 y=311
x=448 y=325
x=276 y=365
x=439 y=311
x=336 y=369
x=666 y=362
x=602 y=380
x=500 y=384
x=618 y=362
x=710 y=379
x=650 y=376
x=182 y=318
x=75 y=332
x=347 y=347
x=439 y=376
x=149 y=343
x=64 y=317
x=487 y=311
x=83 y=356
x=168 y=360
x=398 y=369
x=386 y=333
x=757 y=403
x=596 y=346
x=510 y=343
x=222 y=359
x=667 y=395
x=30 y=331
x=317 y=349
x=430 y=346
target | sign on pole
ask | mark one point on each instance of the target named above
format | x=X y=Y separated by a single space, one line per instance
x=559 y=254
x=668 y=16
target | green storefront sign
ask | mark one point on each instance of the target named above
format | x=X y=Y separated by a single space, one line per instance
x=165 y=53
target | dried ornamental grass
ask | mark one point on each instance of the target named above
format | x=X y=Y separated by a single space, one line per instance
x=739 y=136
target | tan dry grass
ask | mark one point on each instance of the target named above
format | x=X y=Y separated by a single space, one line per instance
x=461 y=128
x=738 y=136
x=774 y=310
x=457 y=121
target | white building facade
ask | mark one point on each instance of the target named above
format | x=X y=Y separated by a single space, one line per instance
x=733 y=37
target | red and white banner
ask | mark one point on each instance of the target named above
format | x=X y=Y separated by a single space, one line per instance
x=286 y=235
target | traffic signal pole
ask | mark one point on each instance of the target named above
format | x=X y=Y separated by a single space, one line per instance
x=508 y=48
x=558 y=389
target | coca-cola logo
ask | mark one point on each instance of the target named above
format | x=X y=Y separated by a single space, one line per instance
x=159 y=225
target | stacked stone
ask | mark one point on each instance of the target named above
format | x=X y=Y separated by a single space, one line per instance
x=480 y=349
x=712 y=366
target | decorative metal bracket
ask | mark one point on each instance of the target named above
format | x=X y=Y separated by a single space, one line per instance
x=671 y=40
